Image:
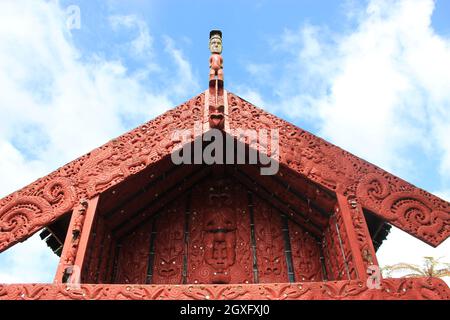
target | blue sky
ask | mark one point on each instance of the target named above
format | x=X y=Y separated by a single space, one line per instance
x=370 y=76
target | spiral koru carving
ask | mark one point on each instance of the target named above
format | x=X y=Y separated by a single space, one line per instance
x=411 y=211
x=372 y=189
x=26 y=214
x=61 y=194
x=416 y=214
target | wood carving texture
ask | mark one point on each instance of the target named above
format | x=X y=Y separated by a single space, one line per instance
x=391 y=289
x=411 y=209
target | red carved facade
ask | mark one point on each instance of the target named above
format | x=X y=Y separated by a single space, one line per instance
x=218 y=233
x=141 y=224
x=306 y=255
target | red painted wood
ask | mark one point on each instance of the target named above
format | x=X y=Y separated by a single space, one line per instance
x=306 y=255
x=169 y=245
x=357 y=235
x=391 y=289
x=269 y=244
x=219 y=234
x=133 y=254
x=304 y=154
x=86 y=232
x=71 y=242
x=75 y=246
x=218 y=247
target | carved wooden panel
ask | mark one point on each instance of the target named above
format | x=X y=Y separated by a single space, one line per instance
x=99 y=254
x=94 y=252
x=219 y=236
x=104 y=259
x=330 y=255
x=405 y=206
x=133 y=256
x=206 y=237
x=337 y=252
x=306 y=255
x=356 y=236
x=169 y=245
x=270 y=246
x=347 y=266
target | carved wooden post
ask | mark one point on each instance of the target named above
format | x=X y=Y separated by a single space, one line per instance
x=77 y=238
x=361 y=244
x=215 y=94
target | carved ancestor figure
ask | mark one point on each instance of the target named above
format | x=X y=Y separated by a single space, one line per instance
x=216 y=60
x=219 y=236
x=216 y=99
x=220 y=240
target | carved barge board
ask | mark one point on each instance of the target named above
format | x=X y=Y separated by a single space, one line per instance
x=391 y=289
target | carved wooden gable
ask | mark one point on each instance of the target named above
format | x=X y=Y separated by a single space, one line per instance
x=322 y=165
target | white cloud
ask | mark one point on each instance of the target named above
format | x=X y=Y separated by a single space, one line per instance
x=143 y=43
x=185 y=81
x=260 y=73
x=57 y=104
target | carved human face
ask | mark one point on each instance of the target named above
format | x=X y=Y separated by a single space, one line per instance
x=169 y=267
x=220 y=243
x=215 y=44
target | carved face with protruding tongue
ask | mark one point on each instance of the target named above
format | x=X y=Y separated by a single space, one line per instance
x=216 y=117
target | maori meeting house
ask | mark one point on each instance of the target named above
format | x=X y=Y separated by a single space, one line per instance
x=129 y=222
